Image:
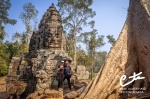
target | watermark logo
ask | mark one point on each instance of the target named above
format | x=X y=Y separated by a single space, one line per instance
x=134 y=77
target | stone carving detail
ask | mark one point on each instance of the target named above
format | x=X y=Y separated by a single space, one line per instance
x=50 y=34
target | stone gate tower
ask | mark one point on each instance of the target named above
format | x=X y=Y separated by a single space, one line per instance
x=50 y=33
x=36 y=70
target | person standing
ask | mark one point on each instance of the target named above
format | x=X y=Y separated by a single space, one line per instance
x=67 y=73
x=60 y=75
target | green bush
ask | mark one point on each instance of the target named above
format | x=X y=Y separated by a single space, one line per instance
x=4 y=60
x=3 y=67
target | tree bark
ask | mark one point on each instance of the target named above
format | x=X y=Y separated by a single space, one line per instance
x=75 y=55
x=131 y=53
x=28 y=32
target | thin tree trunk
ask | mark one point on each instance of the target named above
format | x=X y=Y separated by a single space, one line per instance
x=92 y=64
x=28 y=33
x=74 y=33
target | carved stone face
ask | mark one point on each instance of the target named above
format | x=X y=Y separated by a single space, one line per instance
x=51 y=28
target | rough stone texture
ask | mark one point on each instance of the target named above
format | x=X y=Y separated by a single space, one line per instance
x=47 y=94
x=74 y=94
x=50 y=33
x=53 y=94
x=45 y=66
x=82 y=73
x=131 y=53
x=71 y=95
x=36 y=70
x=77 y=89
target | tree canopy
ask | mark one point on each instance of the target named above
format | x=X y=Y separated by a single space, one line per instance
x=27 y=15
x=4 y=19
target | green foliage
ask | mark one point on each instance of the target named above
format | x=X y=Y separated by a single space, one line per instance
x=2 y=33
x=4 y=7
x=82 y=57
x=12 y=48
x=92 y=41
x=9 y=50
x=4 y=55
x=28 y=14
x=3 y=67
x=93 y=57
x=4 y=60
x=111 y=39
x=20 y=43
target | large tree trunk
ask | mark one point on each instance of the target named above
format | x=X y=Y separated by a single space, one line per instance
x=131 y=53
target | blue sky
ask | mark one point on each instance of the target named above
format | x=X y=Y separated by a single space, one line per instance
x=109 y=19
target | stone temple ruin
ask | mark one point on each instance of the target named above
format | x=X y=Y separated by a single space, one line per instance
x=36 y=70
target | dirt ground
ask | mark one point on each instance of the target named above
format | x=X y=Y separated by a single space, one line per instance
x=2 y=88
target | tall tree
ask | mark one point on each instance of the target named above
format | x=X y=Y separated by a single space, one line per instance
x=28 y=14
x=92 y=42
x=76 y=14
x=111 y=39
x=4 y=7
